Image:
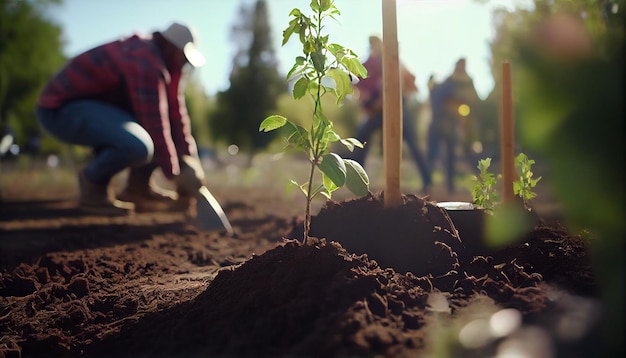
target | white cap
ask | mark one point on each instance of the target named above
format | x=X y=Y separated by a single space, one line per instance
x=185 y=39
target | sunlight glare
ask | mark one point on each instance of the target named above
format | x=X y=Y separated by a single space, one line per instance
x=505 y=321
x=475 y=334
x=530 y=342
x=233 y=149
x=477 y=147
x=464 y=110
x=53 y=161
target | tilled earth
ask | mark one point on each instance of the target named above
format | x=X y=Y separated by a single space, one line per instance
x=153 y=285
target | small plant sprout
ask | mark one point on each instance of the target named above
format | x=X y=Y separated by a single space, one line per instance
x=324 y=68
x=485 y=194
x=523 y=187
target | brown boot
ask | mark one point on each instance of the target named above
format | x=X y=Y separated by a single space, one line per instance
x=94 y=199
x=146 y=196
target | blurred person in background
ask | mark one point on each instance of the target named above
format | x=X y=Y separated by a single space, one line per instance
x=370 y=96
x=450 y=103
x=125 y=99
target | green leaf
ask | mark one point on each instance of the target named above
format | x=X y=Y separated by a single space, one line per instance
x=321 y=126
x=298 y=67
x=350 y=143
x=333 y=166
x=301 y=187
x=300 y=60
x=506 y=225
x=329 y=185
x=325 y=5
x=354 y=66
x=300 y=87
x=331 y=136
x=314 y=5
x=302 y=33
x=319 y=60
x=272 y=122
x=483 y=164
x=300 y=137
x=287 y=34
x=337 y=51
x=343 y=85
x=533 y=182
x=313 y=87
x=317 y=190
x=357 y=180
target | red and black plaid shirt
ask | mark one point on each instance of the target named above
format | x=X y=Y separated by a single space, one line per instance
x=132 y=75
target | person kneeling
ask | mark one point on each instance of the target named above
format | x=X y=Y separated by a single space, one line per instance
x=125 y=100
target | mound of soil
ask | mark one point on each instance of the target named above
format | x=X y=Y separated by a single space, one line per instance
x=152 y=285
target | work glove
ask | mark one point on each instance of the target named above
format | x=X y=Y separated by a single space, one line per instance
x=191 y=176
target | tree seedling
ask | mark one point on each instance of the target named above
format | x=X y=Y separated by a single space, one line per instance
x=485 y=195
x=505 y=223
x=523 y=187
x=324 y=68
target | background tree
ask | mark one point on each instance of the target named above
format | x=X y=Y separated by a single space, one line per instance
x=568 y=82
x=30 y=53
x=199 y=105
x=255 y=84
x=514 y=27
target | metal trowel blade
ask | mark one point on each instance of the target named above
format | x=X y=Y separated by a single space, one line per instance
x=210 y=215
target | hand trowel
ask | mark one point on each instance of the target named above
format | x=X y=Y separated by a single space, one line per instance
x=209 y=213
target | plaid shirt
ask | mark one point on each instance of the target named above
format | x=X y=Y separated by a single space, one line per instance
x=132 y=75
x=371 y=87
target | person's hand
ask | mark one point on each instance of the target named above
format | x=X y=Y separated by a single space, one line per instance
x=191 y=176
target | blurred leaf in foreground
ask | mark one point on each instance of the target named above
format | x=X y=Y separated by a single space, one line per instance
x=572 y=111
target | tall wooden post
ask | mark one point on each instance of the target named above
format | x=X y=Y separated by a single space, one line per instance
x=392 y=106
x=507 y=145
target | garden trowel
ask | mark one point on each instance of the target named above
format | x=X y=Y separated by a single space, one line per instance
x=209 y=213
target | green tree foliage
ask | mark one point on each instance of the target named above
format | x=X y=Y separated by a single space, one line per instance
x=199 y=106
x=30 y=52
x=567 y=60
x=568 y=72
x=514 y=27
x=255 y=84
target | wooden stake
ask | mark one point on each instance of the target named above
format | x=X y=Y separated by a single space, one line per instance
x=507 y=145
x=392 y=106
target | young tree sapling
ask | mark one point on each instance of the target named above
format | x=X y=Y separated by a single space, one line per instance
x=324 y=68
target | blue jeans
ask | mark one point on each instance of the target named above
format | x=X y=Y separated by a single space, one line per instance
x=367 y=129
x=436 y=139
x=118 y=140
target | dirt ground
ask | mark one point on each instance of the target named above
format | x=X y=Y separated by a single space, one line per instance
x=153 y=285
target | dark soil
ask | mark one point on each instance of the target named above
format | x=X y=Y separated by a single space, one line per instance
x=153 y=285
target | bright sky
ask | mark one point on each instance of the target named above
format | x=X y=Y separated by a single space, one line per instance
x=432 y=34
